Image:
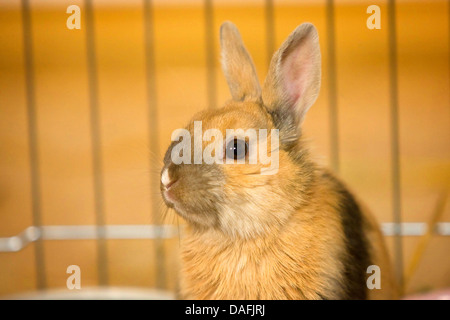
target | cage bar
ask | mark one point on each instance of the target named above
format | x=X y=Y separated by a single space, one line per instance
x=153 y=130
x=332 y=86
x=211 y=91
x=96 y=143
x=33 y=140
x=394 y=130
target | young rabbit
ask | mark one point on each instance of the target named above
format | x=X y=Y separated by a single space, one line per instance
x=294 y=232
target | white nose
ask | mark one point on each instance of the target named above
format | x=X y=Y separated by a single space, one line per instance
x=165 y=179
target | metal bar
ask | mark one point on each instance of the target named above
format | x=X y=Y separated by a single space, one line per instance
x=124 y=232
x=405 y=229
x=96 y=144
x=270 y=30
x=33 y=140
x=394 y=128
x=85 y=232
x=153 y=138
x=20 y=241
x=332 y=86
x=210 y=55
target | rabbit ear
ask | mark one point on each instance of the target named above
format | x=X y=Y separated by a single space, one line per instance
x=293 y=81
x=238 y=65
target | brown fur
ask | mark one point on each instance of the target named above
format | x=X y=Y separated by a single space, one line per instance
x=299 y=260
x=291 y=235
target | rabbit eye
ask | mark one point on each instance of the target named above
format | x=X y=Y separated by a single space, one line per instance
x=236 y=149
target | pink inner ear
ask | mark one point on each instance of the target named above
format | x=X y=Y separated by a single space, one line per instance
x=295 y=69
x=294 y=75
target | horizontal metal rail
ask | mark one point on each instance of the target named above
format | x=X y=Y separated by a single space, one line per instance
x=91 y=232
x=414 y=229
x=86 y=232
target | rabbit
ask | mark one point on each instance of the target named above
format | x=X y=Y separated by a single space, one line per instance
x=298 y=233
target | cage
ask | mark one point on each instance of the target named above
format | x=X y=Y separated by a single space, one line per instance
x=87 y=113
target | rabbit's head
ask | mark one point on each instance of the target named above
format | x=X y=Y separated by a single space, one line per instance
x=246 y=181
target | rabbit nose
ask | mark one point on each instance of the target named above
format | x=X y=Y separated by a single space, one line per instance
x=165 y=179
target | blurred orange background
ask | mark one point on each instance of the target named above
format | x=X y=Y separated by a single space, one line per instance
x=129 y=162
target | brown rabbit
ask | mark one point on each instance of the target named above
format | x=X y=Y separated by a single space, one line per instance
x=297 y=233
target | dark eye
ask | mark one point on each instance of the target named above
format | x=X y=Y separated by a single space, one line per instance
x=236 y=149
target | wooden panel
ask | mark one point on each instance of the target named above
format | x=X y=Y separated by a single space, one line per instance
x=363 y=107
x=424 y=106
x=17 y=271
x=181 y=78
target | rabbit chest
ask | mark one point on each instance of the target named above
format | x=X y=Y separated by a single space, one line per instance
x=292 y=265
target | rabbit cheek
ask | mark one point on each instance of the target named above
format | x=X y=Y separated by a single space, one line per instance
x=196 y=193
